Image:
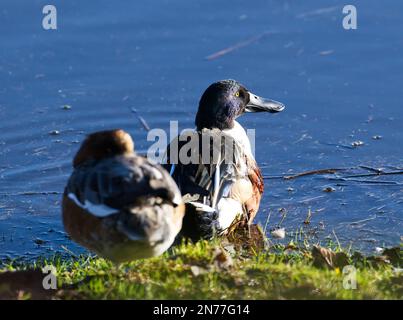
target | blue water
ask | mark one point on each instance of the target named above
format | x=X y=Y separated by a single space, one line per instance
x=339 y=86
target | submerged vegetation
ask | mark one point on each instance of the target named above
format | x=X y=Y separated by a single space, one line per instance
x=214 y=270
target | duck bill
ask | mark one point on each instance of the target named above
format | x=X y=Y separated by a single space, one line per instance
x=259 y=104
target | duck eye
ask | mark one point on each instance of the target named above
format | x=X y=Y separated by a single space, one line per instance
x=237 y=94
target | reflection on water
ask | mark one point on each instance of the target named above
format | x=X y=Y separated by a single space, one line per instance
x=340 y=87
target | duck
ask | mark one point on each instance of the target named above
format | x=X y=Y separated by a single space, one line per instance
x=119 y=204
x=221 y=192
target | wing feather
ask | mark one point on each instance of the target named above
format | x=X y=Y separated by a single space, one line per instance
x=110 y=185
x=210 y=179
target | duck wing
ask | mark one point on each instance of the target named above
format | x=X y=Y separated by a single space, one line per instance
x=206 y=165
x=108 y=186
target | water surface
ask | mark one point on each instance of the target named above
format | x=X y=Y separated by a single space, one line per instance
x=339 y=86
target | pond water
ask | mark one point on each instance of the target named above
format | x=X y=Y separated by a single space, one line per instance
x=340 y=87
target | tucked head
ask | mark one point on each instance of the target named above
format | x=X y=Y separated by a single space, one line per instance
x=225 y=100
x=104 y=144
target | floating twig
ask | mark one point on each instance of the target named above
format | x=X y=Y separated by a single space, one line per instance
x=305 y=173
x=367 y=181
x=32 y=193
x=312 y=172
x=141 y=119
x=237 y=46
x=370 y=184
x=370 y=168
x=377 y=174
x=273 y=177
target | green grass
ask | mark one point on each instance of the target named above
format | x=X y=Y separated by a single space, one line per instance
x=206 y=270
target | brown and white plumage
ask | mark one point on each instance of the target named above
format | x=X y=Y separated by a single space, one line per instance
x=222 y=192
x=225 y=191
x=119 y=204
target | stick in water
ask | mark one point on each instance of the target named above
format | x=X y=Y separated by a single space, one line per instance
x=237 y=46
x=141 y=119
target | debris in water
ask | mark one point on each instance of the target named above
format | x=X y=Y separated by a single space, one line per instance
x=141 y=119
x=278 y=233
x=289 y=189
x=311 y=172
x=357 y=143
x=66 y=107
x=329 y=189
x=377 y=137
x=377 y=170
x=54 y=132
x=237 y=46
x=39 y=241
x=32 y=193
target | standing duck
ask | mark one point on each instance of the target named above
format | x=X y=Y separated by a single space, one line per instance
x=119 y=204
x=221 y=181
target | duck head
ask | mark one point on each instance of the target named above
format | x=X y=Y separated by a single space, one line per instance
x=103 y=144
x=225 y=100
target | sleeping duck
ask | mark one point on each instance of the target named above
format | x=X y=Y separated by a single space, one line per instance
x=117 y=203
